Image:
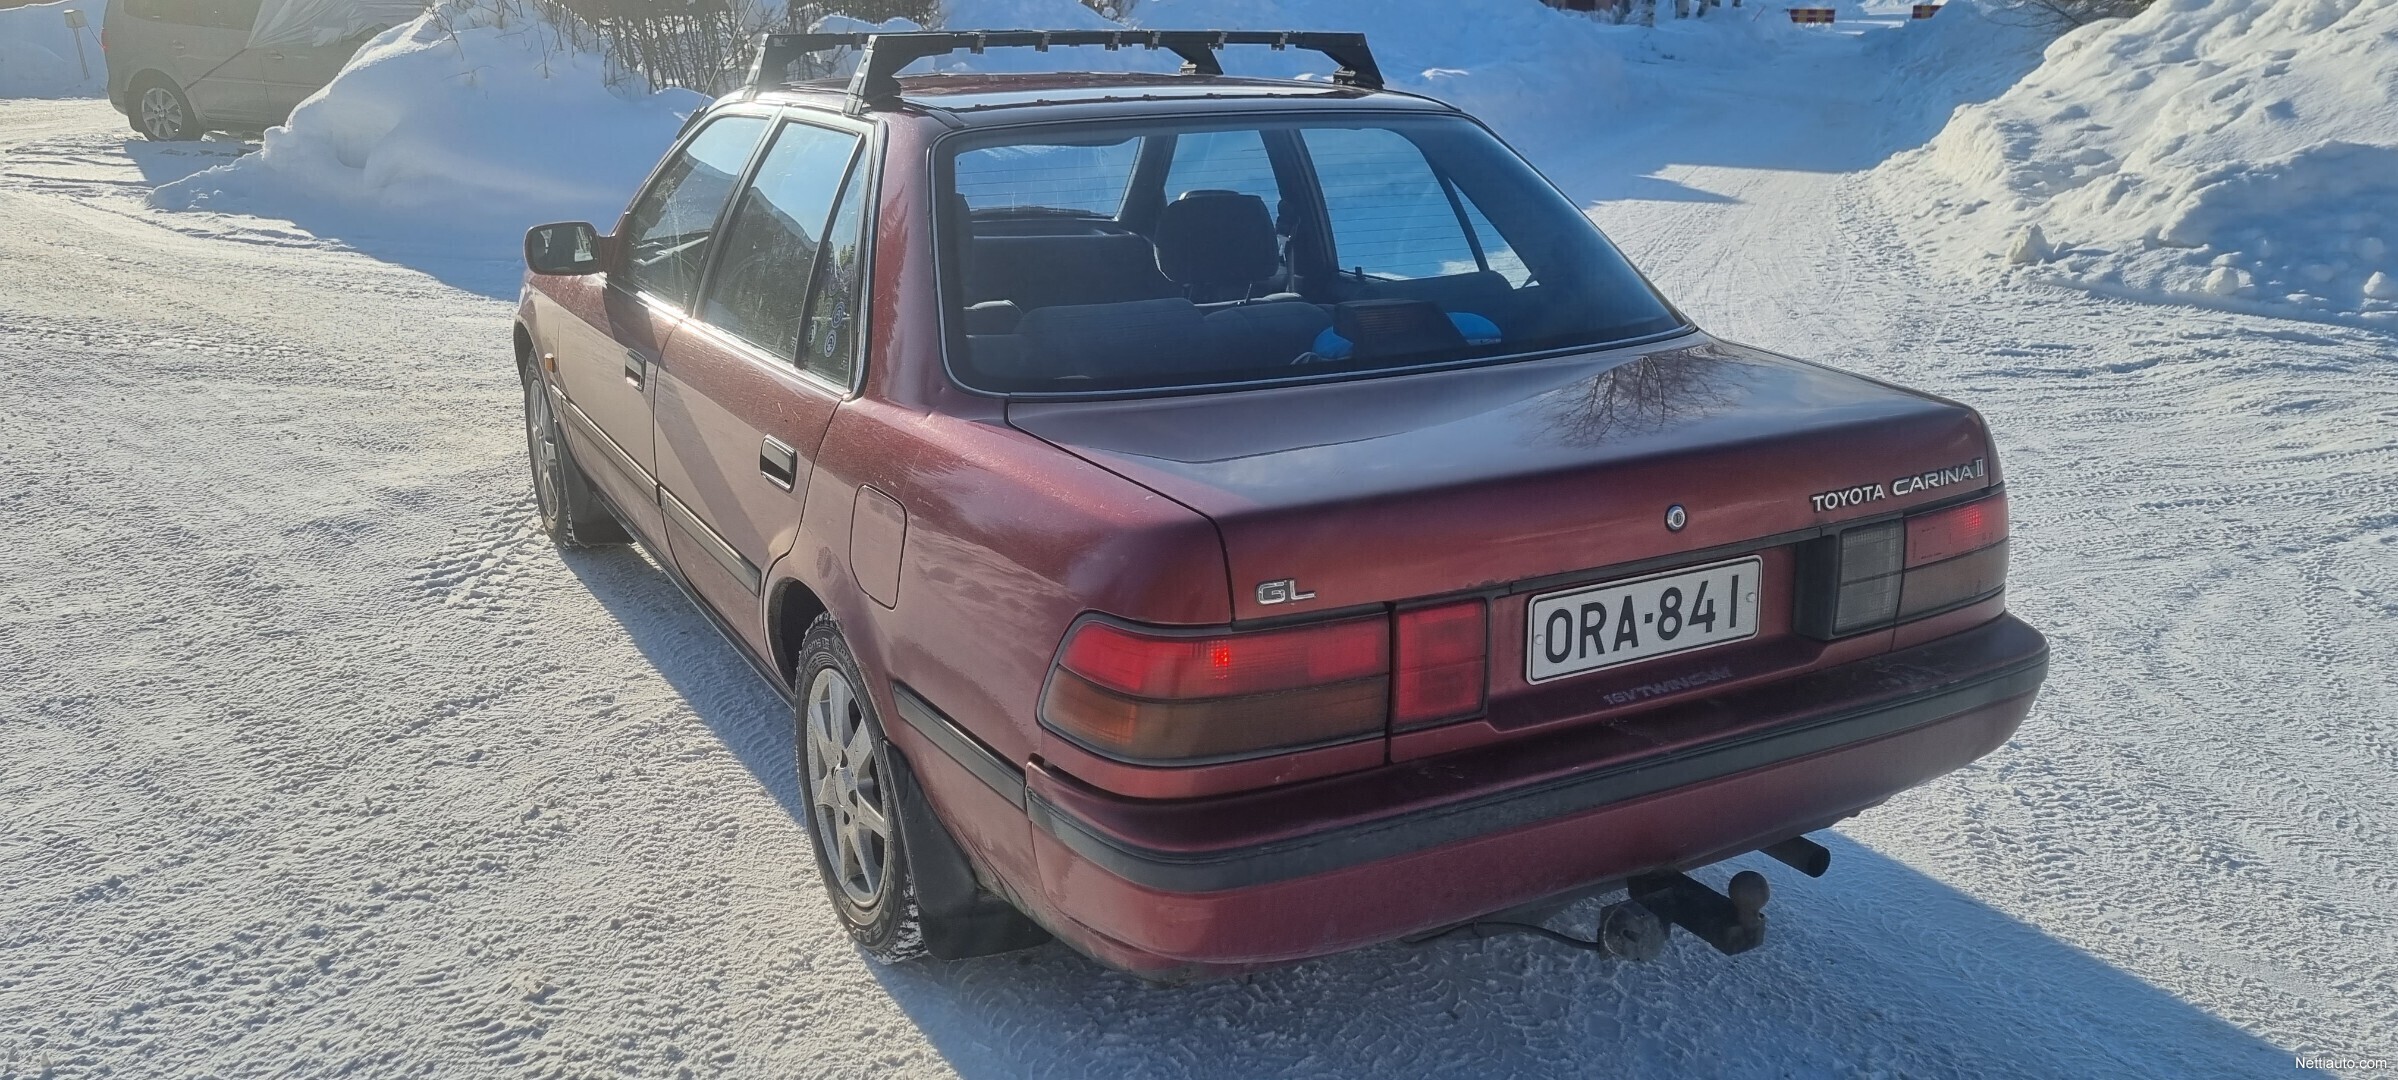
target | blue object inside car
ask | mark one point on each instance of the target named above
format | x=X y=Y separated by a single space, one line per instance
x=1475 y=329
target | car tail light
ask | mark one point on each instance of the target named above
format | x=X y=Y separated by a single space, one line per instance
x=1876 y=575
x=1166 y=697
x=1442 y=663
x=1955 y=556
x=1946 y=534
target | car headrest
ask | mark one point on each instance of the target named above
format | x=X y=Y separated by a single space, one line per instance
x=1212 y=238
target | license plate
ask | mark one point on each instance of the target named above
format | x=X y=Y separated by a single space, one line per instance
x=1621 y=622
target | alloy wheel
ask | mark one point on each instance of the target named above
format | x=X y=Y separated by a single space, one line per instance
x=845 y=784
x=541 y=443
x=162 y=115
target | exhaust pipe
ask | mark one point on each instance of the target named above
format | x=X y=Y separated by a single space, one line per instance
x=1801 y=854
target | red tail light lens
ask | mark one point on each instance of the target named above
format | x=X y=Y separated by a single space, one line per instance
x=1222 y=665
x=1442 y=665
x=1157 y=697
x=1946 y=534
x=1954 y=582
x=1955 y=556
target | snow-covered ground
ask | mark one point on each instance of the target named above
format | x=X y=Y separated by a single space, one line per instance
x=316 y=759
x=42 y=56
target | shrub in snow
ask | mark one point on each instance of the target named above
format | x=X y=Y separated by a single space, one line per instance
x=2062 y=15
x=2258 y=137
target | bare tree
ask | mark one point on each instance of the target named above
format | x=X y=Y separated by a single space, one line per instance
x=2059 y=16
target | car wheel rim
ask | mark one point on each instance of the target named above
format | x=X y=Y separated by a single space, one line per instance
x=541 y=441
x=162 y=115
x=853 y=819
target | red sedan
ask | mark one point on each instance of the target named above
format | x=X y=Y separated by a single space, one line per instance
x=1219 y=522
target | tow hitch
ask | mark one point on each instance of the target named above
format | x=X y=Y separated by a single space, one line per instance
x=1635 y=928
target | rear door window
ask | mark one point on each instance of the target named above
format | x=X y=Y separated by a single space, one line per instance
x=1391 y=218
x=668 y=232
x=772 y=247
x=1222 y=161
x=231 y=14
x=1083 y=179
x=837 y=313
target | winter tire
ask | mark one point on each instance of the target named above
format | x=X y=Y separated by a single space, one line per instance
x=570 y=511
x=850 y=801
x=162 y=114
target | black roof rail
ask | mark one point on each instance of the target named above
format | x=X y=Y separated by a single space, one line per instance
x=877 y=79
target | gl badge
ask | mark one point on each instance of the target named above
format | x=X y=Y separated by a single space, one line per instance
x=1281 y=592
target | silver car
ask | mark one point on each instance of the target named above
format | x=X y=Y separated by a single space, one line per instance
x=180 y=68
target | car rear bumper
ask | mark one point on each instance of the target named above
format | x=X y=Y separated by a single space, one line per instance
x=1225 y=884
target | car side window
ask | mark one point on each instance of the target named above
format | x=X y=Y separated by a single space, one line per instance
x=666 y=236
x=837 y=312
x=1391 y=218
x=1498 y=256
x=1090 y=178
x=1222 y=161
x=215 y=14
x=224 y=14
x=760 y=289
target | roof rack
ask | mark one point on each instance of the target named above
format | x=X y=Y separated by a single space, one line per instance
x=877 y=83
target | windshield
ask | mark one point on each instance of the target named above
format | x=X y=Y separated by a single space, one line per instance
x=1180 y=253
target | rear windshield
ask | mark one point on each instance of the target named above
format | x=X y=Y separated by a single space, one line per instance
x=1173 y=254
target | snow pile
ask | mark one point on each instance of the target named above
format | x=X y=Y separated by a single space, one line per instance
x=2240 y=153
x=37 y=51
x=458 y=122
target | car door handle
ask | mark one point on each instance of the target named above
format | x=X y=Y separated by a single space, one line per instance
x=778 y=463
x=636 y=367
x=275 y=56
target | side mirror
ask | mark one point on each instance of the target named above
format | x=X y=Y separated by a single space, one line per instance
x=568 y=247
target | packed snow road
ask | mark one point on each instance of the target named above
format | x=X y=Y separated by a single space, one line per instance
x=315 y=758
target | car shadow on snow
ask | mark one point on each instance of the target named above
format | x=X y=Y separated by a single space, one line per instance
x=1876 y=969
x=163 y=163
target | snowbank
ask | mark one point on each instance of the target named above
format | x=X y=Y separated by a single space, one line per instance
x=452 y=124
x=2238 y=153
x=37 y=51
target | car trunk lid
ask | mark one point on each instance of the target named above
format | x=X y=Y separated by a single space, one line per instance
x=1381 y=490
